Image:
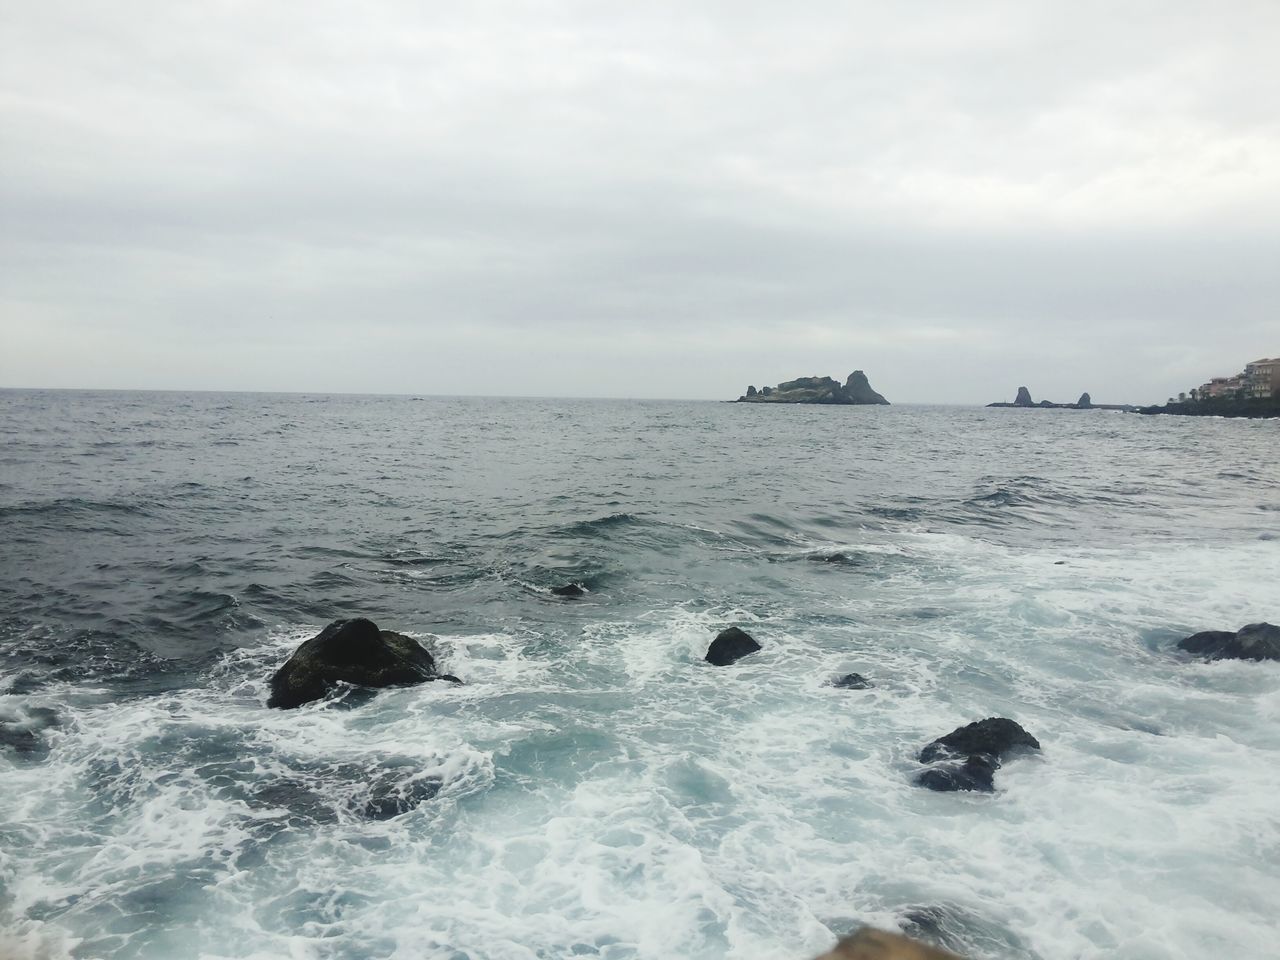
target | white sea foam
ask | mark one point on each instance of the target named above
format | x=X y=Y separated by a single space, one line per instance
x=612 y=795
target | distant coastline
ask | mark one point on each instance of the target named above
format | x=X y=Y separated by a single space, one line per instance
x=1254 y=408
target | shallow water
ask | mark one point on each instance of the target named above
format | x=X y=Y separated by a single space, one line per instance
x=595 y=789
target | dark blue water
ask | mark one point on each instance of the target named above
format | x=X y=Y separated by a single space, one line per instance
x=595 y=789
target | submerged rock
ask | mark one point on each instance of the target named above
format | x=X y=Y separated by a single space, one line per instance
x=350 y=651
x=975 y=773
x=570 y=590
x=852 y=681
x=1255 y=641
x=730 y=645
x=21 y=732
x=979 y=748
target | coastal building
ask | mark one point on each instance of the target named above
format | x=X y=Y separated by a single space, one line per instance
x=1221 y=387
x=1262 y=378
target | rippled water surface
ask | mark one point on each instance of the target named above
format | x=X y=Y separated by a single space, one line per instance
x=595 y=789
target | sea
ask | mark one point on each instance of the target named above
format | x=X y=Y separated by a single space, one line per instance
x=594 y=788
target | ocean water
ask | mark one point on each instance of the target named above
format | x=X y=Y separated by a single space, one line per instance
x=595 y=789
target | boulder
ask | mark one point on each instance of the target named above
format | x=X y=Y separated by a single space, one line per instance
x=968 y=757
x=570 y=590
x=995 y=737
x=1024 y=398
x=1256 y=641
x=350 y=651
x=1085 y=402
x=852 y=681
x=730 y=645
x=751 y=391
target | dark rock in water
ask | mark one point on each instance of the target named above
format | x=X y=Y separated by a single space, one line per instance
x=349 y=651
x=327 y=793
x=569 y=590
x=20 y=740
x=730 y=645
x=972 y=754
x=1085 y=402
x=1023 y=399
x=994 y=737
x=852 y=681
x=751 y=391
x=766 y=391
x=22 y=733
x=1256 y=641
x=388 y=798
x=975 y=773
x=953 y=927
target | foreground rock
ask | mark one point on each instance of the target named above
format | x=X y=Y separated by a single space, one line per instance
x=855 y=390
x=729 y=646
x=871 y=944
x=570 y=590
x=355 y=652
x=968 y=757
x=1256 y=641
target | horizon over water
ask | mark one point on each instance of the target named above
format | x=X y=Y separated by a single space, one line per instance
x=595 y=789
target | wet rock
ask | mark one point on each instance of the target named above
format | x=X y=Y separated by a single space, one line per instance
x=975 y=773
x=1085 y=402
x=1023 y=399
x=852 y=681
x=730 y=645
x=995 y=737
x=350 y=651
x=953 y=927
x=390 y=798
x=968 y=757
x=1256 y=641
x=570 y=590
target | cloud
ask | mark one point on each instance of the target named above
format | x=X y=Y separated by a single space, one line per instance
x=674 y=200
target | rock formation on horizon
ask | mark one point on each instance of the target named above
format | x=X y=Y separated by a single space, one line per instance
x=856 y=390
x=1024 y=401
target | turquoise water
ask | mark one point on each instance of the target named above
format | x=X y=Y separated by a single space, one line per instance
x=595 y=789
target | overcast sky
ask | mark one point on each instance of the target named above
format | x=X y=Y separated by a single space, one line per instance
x=648 y=200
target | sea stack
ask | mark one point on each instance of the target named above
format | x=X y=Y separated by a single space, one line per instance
x=856 y=390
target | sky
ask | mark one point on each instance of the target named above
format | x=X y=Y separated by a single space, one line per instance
x=639 y=200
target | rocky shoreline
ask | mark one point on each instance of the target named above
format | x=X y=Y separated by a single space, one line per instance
x=1254 y=408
